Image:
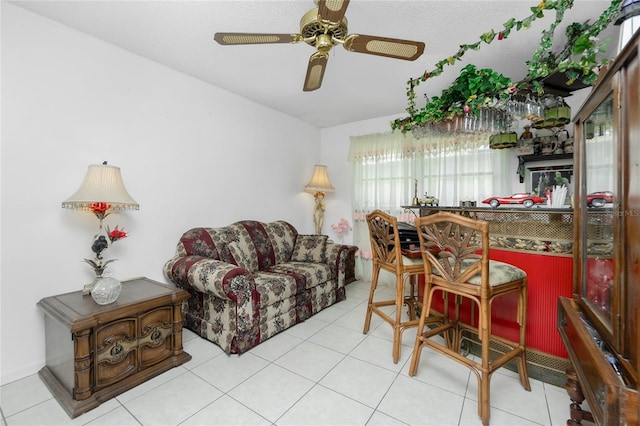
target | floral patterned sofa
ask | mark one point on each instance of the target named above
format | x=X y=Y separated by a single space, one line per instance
x=251 y=280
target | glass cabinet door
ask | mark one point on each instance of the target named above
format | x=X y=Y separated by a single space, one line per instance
x=601 y=185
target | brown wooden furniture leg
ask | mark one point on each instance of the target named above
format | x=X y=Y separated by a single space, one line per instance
x=577 y=397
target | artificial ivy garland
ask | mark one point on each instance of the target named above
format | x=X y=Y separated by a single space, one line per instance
x=582 y=40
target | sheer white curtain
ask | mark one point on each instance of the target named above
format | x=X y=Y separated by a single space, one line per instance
x=600 y=162
x=388 y=167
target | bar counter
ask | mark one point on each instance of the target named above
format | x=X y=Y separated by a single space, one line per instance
x=538 y=240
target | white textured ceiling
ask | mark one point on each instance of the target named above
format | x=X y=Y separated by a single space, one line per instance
x=179 y=34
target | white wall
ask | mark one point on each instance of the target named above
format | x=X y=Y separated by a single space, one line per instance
x=187 y=153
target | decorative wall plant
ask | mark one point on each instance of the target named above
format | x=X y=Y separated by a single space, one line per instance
x=473 y=89
x=578 y=59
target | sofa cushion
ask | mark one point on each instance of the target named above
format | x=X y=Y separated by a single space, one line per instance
x=307 y=274
x=274 y=287
x=254 y=241
x=288 y=279
x=283 y=237
x=198 y=242
x=310 y=248
x=240 y=257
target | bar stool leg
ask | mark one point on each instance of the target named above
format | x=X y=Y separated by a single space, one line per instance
x=374 y=285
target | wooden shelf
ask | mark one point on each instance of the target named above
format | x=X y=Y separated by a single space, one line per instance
x=556 y=84
x=532 y=158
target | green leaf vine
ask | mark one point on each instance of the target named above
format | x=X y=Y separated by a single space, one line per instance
x=581 y=42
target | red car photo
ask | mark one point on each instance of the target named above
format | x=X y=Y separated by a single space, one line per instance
x=527 y=200
x=599 y=199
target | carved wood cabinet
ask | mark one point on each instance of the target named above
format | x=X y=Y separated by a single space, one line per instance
x=95 y=352
x=599 y=324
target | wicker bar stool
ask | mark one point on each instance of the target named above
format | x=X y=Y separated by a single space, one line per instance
x=387 y=255
x=455 y=250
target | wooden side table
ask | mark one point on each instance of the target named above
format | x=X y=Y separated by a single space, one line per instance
x=95 y=352
x=350 y=271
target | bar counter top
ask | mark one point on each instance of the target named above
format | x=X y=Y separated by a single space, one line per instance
x=510 y=209
x=539 y=230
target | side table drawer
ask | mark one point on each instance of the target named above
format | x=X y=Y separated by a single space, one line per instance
x=116 y=351
x=155 y=336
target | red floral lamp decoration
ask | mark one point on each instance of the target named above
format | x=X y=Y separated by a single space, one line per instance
x=102 y=192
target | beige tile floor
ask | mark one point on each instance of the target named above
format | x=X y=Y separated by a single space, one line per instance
x=321 y=372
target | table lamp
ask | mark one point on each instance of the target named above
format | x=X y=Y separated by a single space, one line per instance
x=102 y=192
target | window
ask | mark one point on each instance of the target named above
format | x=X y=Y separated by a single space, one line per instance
x=388 y=170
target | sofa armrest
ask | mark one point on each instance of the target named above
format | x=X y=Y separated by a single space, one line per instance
x=336 y=255
x=212 y=276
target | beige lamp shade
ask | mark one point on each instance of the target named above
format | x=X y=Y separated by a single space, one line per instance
x=320 y=181
x=102 y=184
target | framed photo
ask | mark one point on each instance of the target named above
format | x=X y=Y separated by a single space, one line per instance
x=544 y=177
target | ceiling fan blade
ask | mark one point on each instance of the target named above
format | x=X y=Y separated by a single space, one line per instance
x=252 y=38
x=315 y=71
x=332 y=11
x=384 y=46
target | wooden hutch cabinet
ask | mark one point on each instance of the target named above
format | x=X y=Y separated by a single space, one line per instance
x=599 y=324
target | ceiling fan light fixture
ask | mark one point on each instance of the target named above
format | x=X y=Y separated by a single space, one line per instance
x=311 y=28
x=324 y=43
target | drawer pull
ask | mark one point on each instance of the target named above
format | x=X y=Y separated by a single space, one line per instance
x=116 y=349
x=156 y=336
x=117 y=352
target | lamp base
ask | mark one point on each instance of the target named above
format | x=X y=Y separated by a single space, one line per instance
x=318 y=213
x=106 y=290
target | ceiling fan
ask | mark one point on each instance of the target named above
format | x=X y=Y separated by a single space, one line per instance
x=323 y=28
